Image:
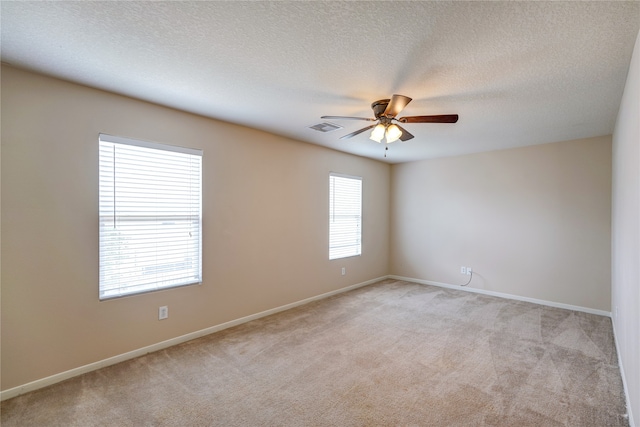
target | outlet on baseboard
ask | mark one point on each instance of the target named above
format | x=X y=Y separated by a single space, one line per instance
x=463 y=270
x=163 y=312
x=344 y=271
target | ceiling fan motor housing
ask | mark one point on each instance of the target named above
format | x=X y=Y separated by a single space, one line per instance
x=378 y=107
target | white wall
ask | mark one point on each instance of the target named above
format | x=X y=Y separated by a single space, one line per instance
x=626 y=232
x=532 y=222
x=265 y=222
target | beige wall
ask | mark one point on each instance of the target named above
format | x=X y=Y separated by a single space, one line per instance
x=626 y=232
x=532 y=222
x=265 y=226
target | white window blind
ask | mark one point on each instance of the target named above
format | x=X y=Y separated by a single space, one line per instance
x=150 y=216
x=345 y=216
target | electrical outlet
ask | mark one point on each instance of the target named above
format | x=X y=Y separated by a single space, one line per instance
x=463 y=270
x=468 y=272
x=163 y=312
x=344 y=271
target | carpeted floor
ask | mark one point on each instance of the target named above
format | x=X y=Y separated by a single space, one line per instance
x=389 y=354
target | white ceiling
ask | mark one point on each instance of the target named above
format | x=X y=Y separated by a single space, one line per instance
x=517 y=73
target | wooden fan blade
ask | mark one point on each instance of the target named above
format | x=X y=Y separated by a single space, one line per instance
x=358 y=132
x=397 y=104
x=348 y=118
x=446 y=118
x=405 y=134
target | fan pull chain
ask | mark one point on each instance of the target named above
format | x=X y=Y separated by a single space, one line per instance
x=386 y=147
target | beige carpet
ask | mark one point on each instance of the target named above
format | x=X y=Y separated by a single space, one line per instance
x=389 y=354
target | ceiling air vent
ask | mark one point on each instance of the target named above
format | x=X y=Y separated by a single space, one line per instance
x=325 y=127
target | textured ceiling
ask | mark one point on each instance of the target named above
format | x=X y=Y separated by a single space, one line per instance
x=517 y=73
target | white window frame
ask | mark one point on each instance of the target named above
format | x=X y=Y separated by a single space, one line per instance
x=345 y=215
x=150 y=209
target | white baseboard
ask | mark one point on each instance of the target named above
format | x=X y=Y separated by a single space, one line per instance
x=56 y=378
x=507 y=296
x=624 y=378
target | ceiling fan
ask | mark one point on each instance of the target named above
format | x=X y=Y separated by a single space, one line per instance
x=385 y=112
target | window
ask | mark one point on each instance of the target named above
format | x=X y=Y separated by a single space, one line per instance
x=345 y=216
x=150 y=216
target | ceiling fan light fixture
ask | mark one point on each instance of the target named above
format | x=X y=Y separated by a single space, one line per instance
x=385 y=112
x=393 y=133
x=378 y=133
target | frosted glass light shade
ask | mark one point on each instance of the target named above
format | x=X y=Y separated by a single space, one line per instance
x=378 y=133
x=393 y=133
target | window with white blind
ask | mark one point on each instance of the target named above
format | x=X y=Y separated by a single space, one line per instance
x=345 y=216
x=150 y=199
